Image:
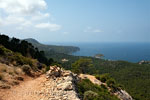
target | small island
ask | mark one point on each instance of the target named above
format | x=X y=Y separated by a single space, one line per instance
x=99 y=56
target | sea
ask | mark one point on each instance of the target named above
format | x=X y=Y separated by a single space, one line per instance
x=132 y=52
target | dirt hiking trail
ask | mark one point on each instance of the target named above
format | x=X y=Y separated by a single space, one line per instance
x=27 y=90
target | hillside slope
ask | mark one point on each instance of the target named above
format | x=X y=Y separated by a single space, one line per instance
x=54 y=48
x=59 y=84
x=14 y=67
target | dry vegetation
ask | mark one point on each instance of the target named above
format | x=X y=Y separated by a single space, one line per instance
x=10 y=76
x=14 y=67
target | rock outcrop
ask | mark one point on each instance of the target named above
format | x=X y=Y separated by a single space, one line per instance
x=62 y=83
x=123 y=95
x=144 y=62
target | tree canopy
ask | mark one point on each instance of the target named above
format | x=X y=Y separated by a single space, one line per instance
x=23 y=47
x=82 y=65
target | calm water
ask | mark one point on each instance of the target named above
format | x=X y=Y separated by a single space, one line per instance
x=132 y=52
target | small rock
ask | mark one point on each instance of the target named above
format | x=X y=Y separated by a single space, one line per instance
x=65 y=86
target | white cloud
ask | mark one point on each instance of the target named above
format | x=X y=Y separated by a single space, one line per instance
x=25 y=14
x=51 y=27
x=22 y=6
x=11 y=20
x=0 y=21
x=92 y=30
x=40 y=16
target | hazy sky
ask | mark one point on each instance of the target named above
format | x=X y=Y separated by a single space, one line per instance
x=76 y=20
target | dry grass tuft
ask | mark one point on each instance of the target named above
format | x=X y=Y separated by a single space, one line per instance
x=3 y=69
x=18 y=71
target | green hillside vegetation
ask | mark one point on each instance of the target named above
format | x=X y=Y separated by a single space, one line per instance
x=134 y=77
x=16 y=59
x=14 y=67
x=90 y=91
x=24 y=48
x=53 y=48
x=82 y=66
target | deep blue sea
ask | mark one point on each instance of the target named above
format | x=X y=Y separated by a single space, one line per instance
x=132 y=52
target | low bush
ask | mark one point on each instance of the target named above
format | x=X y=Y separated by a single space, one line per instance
x=97 y=77
x=1 y=52
x=47 y=68
x=90 y=91
x=90 y=95
x=103 y=86
x=104 y=77
x=26 y=69
x=110 y=82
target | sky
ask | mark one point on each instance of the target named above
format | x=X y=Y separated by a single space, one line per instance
x=76 y=20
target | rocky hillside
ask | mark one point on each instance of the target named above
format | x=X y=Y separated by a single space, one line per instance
x=121 y=94
x=59 y=84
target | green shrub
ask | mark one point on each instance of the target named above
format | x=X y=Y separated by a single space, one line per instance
x=110 y=82
x=120 y=86
x=90 y=95
x=28 y=61
x=47 y=68
x=26 y=69
x=114 y=88
x=113 y=85
x=56 y=63
x=90 y=91
x=97 y=77
x=86 y=85
x=20 y=60
x=104 y=77
x=82 y=65
x=1 y=51
x=103 y=86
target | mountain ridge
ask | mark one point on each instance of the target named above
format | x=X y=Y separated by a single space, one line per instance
x=53 y=48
